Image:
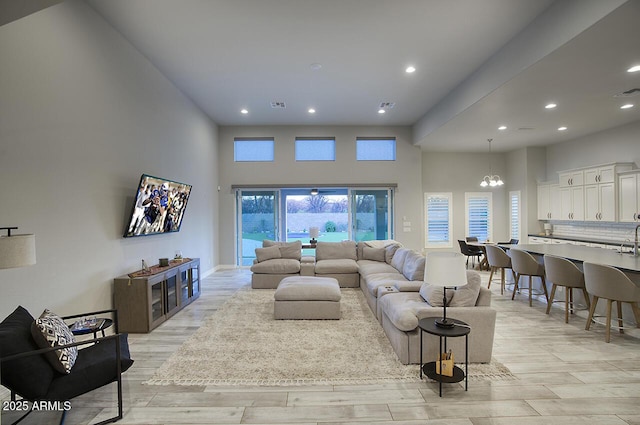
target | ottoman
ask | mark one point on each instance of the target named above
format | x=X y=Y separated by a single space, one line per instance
x=307 y=297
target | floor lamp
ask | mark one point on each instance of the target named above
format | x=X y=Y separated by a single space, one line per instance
x=17 y=250
x=446 y=269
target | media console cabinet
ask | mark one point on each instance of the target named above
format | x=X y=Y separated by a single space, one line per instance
x=145 y=299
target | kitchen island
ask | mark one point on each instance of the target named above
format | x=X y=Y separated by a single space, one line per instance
x=579 y=254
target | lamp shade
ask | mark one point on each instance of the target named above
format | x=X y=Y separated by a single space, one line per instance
x=445 y=269
x=17 y=251
x=314 y=232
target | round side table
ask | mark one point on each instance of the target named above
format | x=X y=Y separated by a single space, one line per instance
x=459 y=329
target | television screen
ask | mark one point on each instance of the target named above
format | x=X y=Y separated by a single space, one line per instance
x=158 y=208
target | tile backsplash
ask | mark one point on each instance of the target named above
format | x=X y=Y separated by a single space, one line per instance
x=613 y=232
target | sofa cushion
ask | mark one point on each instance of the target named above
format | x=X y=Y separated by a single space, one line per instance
x=375 y=254
x=277 y=266
x=433 y=294
x=389 y=251
x=413 y=267
x=336 y=266
x=308 y=288
x=268 y=253
x=374 y=281
x=401 y=308
x=15 y=338
x=49 y=330
x=369 y=267
x=466 y=296
x=398 y=258
x=292 y=250
x=336 y=250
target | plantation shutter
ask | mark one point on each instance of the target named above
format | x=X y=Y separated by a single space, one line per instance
x=514 y=214
x=478 y=217
x=438 y=209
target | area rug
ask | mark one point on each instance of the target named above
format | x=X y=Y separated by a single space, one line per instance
x=242 y=344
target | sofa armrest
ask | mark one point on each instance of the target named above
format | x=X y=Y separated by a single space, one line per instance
x=408 y=286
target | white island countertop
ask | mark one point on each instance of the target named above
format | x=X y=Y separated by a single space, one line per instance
x=579 y=253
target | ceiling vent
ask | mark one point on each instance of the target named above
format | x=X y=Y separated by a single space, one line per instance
x=278 y=105
x=628 y=93
x=387 y=105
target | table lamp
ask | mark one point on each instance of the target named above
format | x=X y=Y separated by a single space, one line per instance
x=17 y=250
x=314 y=232
x=446 y=269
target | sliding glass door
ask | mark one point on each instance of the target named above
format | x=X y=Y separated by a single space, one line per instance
x=287 y=214
x=257 y=220
x=371 y=214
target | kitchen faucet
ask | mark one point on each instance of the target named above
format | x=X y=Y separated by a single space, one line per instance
x=635 y=243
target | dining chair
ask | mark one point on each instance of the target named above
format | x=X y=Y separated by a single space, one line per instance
x=466 y=250
x=611 y=284
x=498 y=259
x=564 y=273
x=525 y=264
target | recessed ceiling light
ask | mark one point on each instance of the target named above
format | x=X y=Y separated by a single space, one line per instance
x=244 y=111
x=635 y=68
x=502 y=127
x=562 y=128
x=627 y=106
x=312 y=111
x=410 y=69
x=381 y=111
x=315 y=66
x=550 y=106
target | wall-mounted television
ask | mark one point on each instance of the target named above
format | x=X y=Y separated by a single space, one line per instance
x=158 y=207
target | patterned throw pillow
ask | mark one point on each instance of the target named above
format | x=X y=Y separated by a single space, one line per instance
x=49 y=330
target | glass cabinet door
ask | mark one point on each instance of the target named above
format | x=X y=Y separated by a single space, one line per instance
x=195 y=281
x=184 y=286
x=157 y=302
x=172 y=292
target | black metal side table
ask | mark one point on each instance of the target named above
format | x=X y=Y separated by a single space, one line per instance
x=460 y=328
x=100 y=325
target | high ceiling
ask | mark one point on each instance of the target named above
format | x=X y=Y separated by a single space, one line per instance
x=345 y=57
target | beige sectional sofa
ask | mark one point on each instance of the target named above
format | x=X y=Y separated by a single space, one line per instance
x=277 y=260
x=392 y=280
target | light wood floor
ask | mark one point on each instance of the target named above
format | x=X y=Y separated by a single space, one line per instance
x=566 y=375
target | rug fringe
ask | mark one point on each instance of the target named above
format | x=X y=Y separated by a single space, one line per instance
x=277 y=382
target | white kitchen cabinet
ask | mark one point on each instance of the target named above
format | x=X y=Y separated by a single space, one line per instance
x=600 y=202
x=571 y=178
x=605 y=173
x=629 y=196
x=548 y=202
x=572 y=203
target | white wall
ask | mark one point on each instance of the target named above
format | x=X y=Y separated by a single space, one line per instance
x=619 y=144
x=462 y=172
x=405 y=171
x=82 y=116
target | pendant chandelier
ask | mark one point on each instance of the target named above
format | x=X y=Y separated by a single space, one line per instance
x=491 y=179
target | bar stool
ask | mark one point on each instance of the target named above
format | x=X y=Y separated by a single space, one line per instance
x=562 y=272
x=498 y=259
x=525 y=264
x=613 y=285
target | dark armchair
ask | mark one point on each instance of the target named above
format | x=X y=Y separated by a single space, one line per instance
x=29 y=375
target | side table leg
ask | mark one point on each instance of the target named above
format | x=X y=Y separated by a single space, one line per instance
x=420 y=362
x=440 y=360
x=466 y=362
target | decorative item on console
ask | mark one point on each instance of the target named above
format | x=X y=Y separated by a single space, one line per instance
x=548 y=229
